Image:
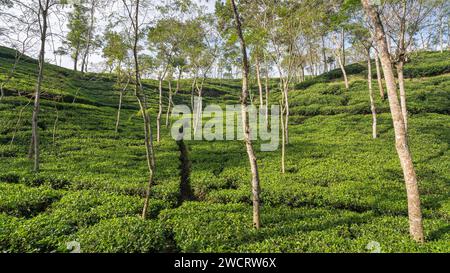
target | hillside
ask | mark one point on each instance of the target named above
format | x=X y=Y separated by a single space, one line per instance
x=342 y=189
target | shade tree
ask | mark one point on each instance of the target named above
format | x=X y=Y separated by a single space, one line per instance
x=373 y=12
x=78 y=25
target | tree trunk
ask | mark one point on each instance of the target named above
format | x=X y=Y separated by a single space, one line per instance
x=2 y=92
x=341 y=58
x=372 y=103
x=83 y=61
x=379 y=76
x=260 y=88
x=169 y=104
x=286 y=110
x=448 y=33
x=343 y=46
x=198 y=113
x=120 y=105
x=311 y=60
x=43 y=10
x=302 y=71
x=267 y=94
x=118 y=113
x=172 y=95
x=441 y=35
x=388 y=41
x=344 y=73
x=158 y=118
x=401 y=143
x=284 y=87
x=89 y=38
x=194 y=82
x=324 y=55
x=55 y=124
x=401 y=84
x=245 y=121
x=283 y=139
x=75 y=59
x=149 y=150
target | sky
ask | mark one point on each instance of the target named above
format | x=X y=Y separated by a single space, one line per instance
x=58 y=28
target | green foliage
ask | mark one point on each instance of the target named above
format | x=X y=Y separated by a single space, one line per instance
x=343 y=232
x=115 y=49
x=8 y=225
x=76 y=211
x=341 y=189
x=352 y=69
x=78 y=30
x=125 y=235
x=200 y=227
x=21 y=201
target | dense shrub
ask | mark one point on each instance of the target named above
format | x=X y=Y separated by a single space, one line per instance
x=89 y=206
x=75 y=211
x=43 y=233
x=319 y=230
x=54 y=181
x=200 y=227
x=9 y=177
x=7 y=150
x=125 y=235
x=427 y=64
x=225 y=196
x=7 y=226
x=427 y=70
x=22 y=201
x=169 y=192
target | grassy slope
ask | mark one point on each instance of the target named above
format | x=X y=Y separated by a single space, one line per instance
x=342 y=189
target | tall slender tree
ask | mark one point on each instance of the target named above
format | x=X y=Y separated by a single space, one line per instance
x=245 y=120
x=116 y=53
x=132 y=10
x=42 y=11
x=78 y=29
x=362 y=40
x=403 y=19
x=379 y=75
x=89 y=36
x=401 y=141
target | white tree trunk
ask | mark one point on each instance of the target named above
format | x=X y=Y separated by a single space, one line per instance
x=379 y=76
x=372 y=102
x=160 y=108
x=344 y=73
x=260 y=88
x=283 y=139
x=169 y=104
x=119 y=107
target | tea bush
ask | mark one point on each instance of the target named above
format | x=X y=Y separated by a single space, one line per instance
x=22 y=201
x=199 y=227
x=8 y=225
x=341 y=190
x=124 y=235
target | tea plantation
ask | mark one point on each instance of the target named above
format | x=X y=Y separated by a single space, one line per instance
x=341 y=191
